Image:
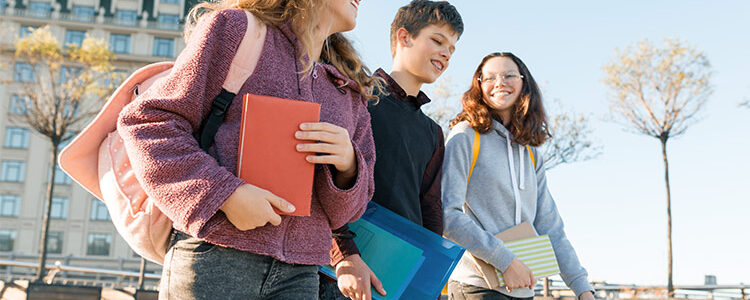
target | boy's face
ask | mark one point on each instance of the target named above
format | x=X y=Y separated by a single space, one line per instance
x=427 y=55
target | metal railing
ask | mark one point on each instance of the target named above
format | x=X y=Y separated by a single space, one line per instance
x=108 y=278
x=57 y=272
x=86 y=19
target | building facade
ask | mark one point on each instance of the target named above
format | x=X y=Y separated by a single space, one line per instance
x=138 y=32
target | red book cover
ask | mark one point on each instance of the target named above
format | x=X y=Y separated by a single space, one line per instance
x=267 y=152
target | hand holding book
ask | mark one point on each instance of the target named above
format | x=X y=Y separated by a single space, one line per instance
x=251 y=207
x=518 y=275
x=335 y=147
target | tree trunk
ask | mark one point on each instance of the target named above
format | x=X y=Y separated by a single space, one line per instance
x=670 y=287
x=47 y=212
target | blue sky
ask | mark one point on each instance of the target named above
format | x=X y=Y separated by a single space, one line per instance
x=614 y=206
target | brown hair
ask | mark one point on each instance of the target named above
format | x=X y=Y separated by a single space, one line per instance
x=337 y=49
x=528 y=121
x=419 y=14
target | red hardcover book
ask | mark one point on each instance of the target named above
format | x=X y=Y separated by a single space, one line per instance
x=267 y=152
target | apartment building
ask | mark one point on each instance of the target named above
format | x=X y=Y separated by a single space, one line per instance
x=138 y=32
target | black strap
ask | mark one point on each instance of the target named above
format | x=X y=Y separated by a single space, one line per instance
x=216 y=116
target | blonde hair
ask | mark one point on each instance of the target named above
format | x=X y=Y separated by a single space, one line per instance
x=337 y=49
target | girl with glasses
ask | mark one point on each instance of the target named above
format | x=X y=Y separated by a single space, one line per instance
x=504 y=186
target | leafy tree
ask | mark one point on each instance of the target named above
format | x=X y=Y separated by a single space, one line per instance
x=63 y=87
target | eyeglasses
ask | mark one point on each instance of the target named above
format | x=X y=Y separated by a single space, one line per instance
x=509 y=77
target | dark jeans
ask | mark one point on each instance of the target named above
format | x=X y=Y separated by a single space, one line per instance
x=195 y=269
x=329 y=289
x=461 y=291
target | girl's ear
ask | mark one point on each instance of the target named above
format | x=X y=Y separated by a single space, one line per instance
x=403 y=37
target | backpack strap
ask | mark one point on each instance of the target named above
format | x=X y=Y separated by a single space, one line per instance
x=474 y=154
x=533 y=162
x=240 y=69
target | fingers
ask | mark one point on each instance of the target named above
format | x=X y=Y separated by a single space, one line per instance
x=322 y=136
x=321 y=126
x=280 y=203
x=325 y=159
x=318 y=148
x=377 y=284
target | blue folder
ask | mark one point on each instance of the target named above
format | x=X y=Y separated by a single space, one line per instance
x=440 y=255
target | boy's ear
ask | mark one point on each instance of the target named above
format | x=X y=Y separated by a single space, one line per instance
x=403 y=37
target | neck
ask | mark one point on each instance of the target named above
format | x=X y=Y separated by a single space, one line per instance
x=407 y=81
x=503 y=117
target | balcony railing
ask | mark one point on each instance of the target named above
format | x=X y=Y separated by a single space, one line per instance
x=84 y=19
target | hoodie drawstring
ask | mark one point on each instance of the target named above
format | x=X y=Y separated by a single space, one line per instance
x=516 y=192
x=521 y=156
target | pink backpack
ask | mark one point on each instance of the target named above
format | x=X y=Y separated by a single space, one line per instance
x=97 y=159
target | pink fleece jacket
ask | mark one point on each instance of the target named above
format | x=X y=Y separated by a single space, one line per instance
x=189 y=185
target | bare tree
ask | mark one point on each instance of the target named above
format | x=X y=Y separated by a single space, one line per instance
x=571 y=138
x=571 y=135
x=62 y=87
x=445 y=103
x=659 y=91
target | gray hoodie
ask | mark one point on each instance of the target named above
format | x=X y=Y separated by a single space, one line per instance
x=505 y=189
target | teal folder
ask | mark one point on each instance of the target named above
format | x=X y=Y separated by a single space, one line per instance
x=392 y=259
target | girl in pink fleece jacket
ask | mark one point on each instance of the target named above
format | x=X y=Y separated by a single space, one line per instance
x=228 y=240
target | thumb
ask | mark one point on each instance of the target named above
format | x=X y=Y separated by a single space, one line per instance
x=280 y=203
x=376 y=283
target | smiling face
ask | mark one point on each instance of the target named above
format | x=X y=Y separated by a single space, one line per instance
x=426 y=55
x=342 y=14
x=500 y=94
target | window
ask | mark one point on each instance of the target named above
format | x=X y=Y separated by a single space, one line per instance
x=3 y=3
x=40 y=9
x=12 y=171
x=59 y=208
x=126 y=17
x=7 y=238
x=99 y=211
x=61 y=177
x=68 y=74
x=16 y=137
x=74 y=37
x=83 y=13
x=98 y=244
x=23 y=72
x=119 y=43
x=18 y=105
x=163 y=47
x=170 y=1
x=54 y=242
x=9 y=205
x=168 y=21
x=25 y=30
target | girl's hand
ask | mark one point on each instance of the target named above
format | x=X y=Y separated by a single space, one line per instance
x=250 y=207
x=517 y=276
x=333 y=143
x=587 y=295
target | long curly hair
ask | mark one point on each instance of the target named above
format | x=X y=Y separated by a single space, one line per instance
x=528 y=121
x=304 y=15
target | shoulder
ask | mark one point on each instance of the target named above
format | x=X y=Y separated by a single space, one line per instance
x=461 y=133
x=226 y=23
